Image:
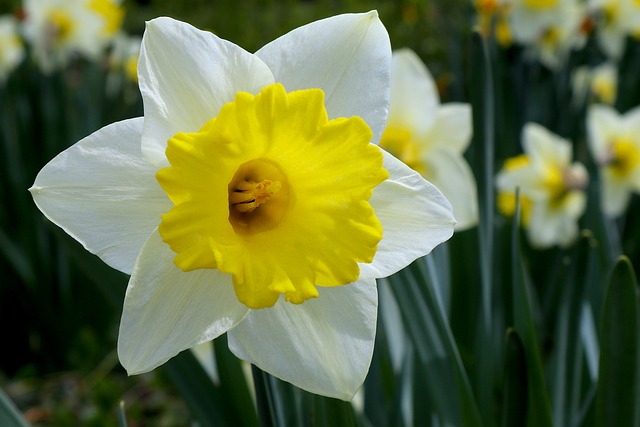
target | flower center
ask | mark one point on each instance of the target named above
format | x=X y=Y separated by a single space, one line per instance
x=611 y=11
x=624 y=157
x=258 y=197
x=60 y=26
x=541 y=4
x=604 y=87
x=560 y=183
x=111 y=12
x=399 y=142
x=275 y=194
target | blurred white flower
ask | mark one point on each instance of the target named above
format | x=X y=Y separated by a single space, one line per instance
x=550 y=28
x=531 y=19
x=58 y=29
x=551 y=187
x=11 y=48
x=244 y=213
x=599 y=84
x=615 y=20
x=614 y=140
x=429 y=137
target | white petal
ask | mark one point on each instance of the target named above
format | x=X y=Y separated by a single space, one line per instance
x=546 y=226
x=544 y=147
x=450 y=172
x=615 y=195
x=552 y=226
x=452 y=127
x=103 y=193
x=347 y=56
x=323 y=345
x=612 y=40
x=167 y=310
x=186 y=76
x=414 y=96
x=415 y=218
x=603 y=122
x=631 y=122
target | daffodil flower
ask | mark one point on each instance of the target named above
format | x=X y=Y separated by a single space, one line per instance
x=551 y=187
x=58 y=29
x=616 y=20
x=532 y=19
x=429 y=137
x=599 y=84
x=249 y=193
x=614 y=140
x=549 y=28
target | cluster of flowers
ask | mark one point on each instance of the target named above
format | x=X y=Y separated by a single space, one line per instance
x=551 y=29
x=552 y=188
x=53 y=32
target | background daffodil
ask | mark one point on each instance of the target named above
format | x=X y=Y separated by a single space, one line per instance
x=431 y=137
x=551 y=187
x=614 y=140
x=58 y=29
x=250 y=191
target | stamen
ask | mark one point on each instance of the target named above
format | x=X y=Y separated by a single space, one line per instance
x=248 y=195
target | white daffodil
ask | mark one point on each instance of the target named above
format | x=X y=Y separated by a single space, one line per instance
x=240 y=205
x=614 y=140
x=550 y=28
x=532 y=19
x=599 y=84
x=615 y=19
x=551 y=187
x=11 y=47
x=57 y=29
x=429 y=137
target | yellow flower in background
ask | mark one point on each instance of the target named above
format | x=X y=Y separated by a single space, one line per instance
x=11 y=48
x=431 y=137
x=251 y=199
x=551 y=187
x=614 y=140
x=112 y=14
x=59 y=29
x=491 y=15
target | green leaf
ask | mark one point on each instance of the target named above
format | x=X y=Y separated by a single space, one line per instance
x=428 y=327
x=233 y=381
x=515 y=385
x=122 y=415
x=483 y=104
x=618 y=369
x=9 y=414
x=327 y=412
x=538 y=406
x=206 y=402
x=567 y=380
